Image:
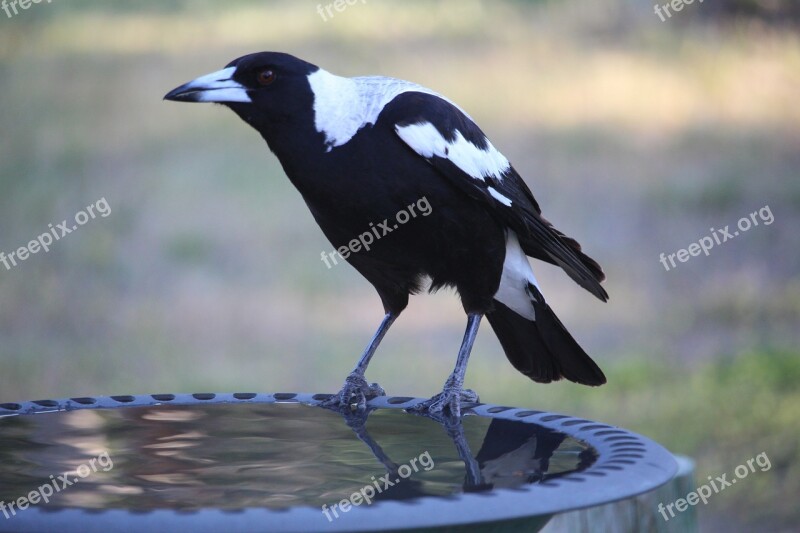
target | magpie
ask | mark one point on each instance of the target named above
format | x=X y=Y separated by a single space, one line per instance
x=360 y=150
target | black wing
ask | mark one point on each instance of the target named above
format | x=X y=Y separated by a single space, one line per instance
x=450 y=141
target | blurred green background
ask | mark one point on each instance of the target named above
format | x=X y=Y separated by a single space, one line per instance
x=637 y=136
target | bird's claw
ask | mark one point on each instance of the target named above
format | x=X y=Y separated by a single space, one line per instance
x=447 y=402
x=354 y=394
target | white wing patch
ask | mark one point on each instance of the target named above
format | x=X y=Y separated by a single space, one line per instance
x=479 y=163
x=342 y=106
x=499 y=197
x=517 y=273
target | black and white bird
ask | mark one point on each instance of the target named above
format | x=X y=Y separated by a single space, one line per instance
x=362 y=149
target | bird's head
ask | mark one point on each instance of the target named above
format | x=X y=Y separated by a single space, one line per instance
x=265 y=87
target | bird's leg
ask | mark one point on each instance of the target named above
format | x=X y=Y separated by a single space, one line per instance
x=356 y=390
x=453 y=393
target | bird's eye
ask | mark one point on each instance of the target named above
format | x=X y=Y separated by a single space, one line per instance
x=265 y=77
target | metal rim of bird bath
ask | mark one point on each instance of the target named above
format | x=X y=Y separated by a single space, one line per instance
x=627 y=465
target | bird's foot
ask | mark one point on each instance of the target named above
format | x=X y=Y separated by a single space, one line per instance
x=354 y=394
x=448 y=402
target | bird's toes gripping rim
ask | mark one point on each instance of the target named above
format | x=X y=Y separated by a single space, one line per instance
x=355 y=393
x=447 y=403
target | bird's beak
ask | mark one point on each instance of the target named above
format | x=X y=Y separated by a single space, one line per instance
x=217 y=87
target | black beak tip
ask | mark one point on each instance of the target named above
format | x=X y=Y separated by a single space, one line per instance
x=180 y=94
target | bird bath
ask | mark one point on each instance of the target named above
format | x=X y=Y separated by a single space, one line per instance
x=280 y=462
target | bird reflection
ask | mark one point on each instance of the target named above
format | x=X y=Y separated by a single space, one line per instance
x=407 y=489
x=512 y=453
x=515 y=453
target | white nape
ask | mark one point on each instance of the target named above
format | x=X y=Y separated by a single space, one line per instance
x=342 y=106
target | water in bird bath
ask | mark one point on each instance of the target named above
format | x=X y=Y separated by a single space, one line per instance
x=278 y=455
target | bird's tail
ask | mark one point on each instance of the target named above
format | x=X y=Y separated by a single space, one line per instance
x=542 y=348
